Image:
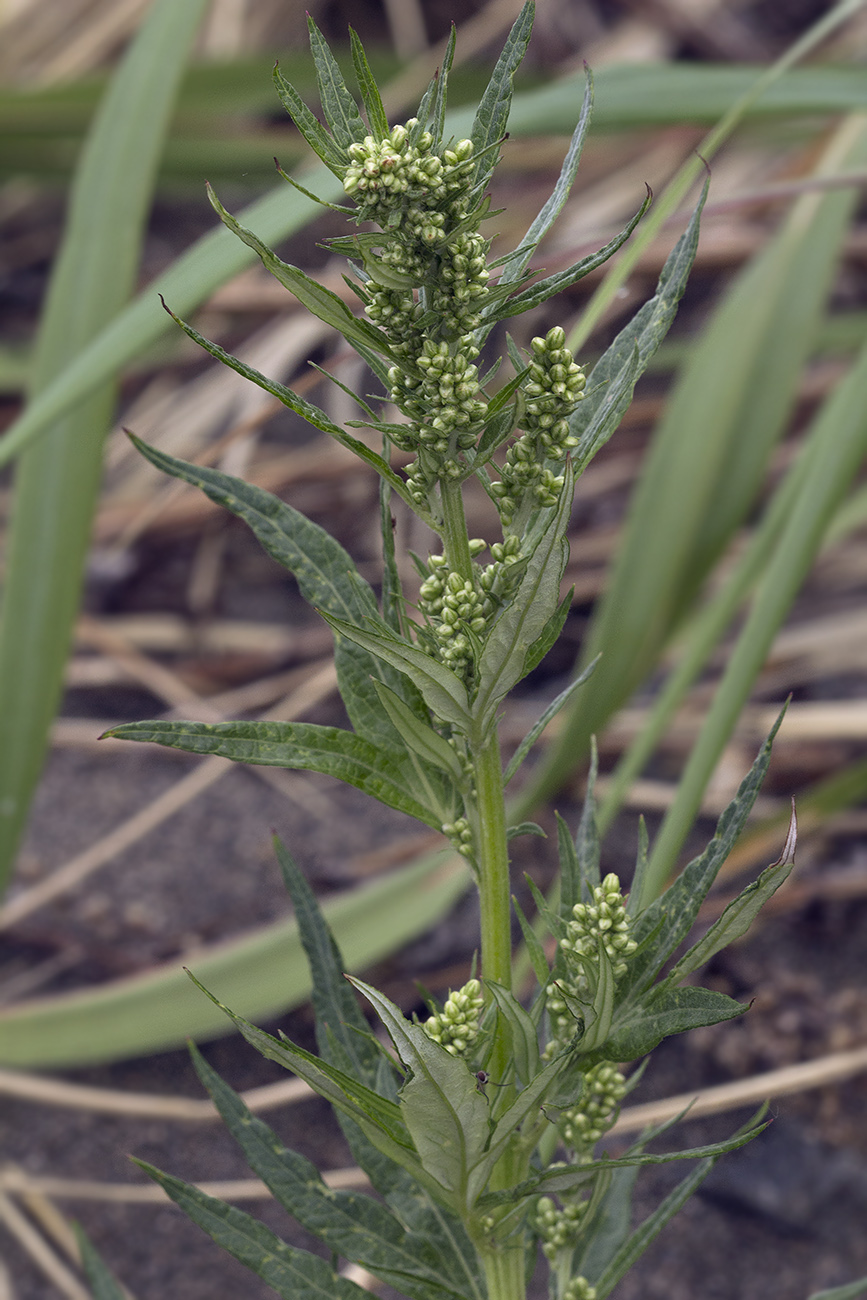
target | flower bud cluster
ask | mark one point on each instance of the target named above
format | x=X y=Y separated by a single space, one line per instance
x=553 y=388
x=558 y=1228
x=581 y=1126
x=456 y=1027
x=454 y=610
x=579 y=1289
x=461 y=836
x=602 y=921
x=402 y=170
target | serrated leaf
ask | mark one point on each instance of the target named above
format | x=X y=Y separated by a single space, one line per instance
x=539 y=726
x=526 y=1104
x=671 y=915
x=310 y=127
x=294 y=1274
x=740 y=913
x=672 y=1012
x=443 y=691
x=615 y=375
x=419 y=737
x=522 y=621
x=356 y=1227
x=340 y=109
x=441 y=1104
x=326 y=576
x=517 y=260
x=536 y=294
x=489 y=125
x=376 y=115
x=103 y=1285
x=524 y=1036
x=300 y=746
x=312 y=414
x=318 y=300
x=338 y=1016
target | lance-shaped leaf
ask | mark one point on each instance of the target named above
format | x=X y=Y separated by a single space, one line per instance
x=356 y=1227
x=301 y=746
x=542 y=290
x=850 y=1291
x=617 y=371
x=310 y=127
x=294 y=1274
x=419 y=737
x=522 y=621
x=340 y=109
x=541 y=723
x=597 y=1026
x=672 y=1011
x=438 y=111
x=523 y=1033
x=441 y=1105
x=516 y=261
x=587 y=845
x=315 y=297
x=327 y=578
x=443 y=691
x=740 y=913
x=492 y=114
x=671 y=916
x=102 y=1284
x=370 y=96
x=312 y=414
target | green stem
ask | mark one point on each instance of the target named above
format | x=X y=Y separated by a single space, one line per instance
x=493 y=861
x=504 y=1273
x=455 y=539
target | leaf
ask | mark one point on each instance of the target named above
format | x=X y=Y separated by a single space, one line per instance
x=301 y=746
x=671 y=1012
x=438 y=112
x=373 y=106
x=443 y=691
x=419 y=737
x=492 y=114
x=570 y=875
x=502 y=661
x=354 y=1226
x=326 y=576
x=850 y=1291
x=614 y=376
x=610 y=1226
x=318 y=300
x=312 y=414
x=517 y=260
x=526 y=1104
x=103 y=1285
x=523 y=1034
x=441 y=1105
x=341 y=111
x=550 y=634
x=536 y=294
x=56 y=480
x=525 y=828
x=535 y=951
x=310 y=127
x=741 y=912
x=338 y=1016
x=671 y=915
x=294 y=1274
x=539 y=726
x=598 y=1023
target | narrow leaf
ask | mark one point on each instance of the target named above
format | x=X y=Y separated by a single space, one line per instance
x=549 y=636
x=102 y=1283
x=587 y=845
x=318 y=300
x=523 y=1033
x=310 y=127
x=443 y=691
x=301 y=746
x=671 y=1012
x=539 y=726
x=489 y=125
x=850 y=1291
x=294 y=1274
x=517 y=261
x=340 y=109
x=438 y=112
x=535 y=951
x=376 y=115
x=542 y=290
x=419 y=737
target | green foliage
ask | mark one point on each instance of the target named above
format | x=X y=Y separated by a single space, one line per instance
x=458 y=1126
